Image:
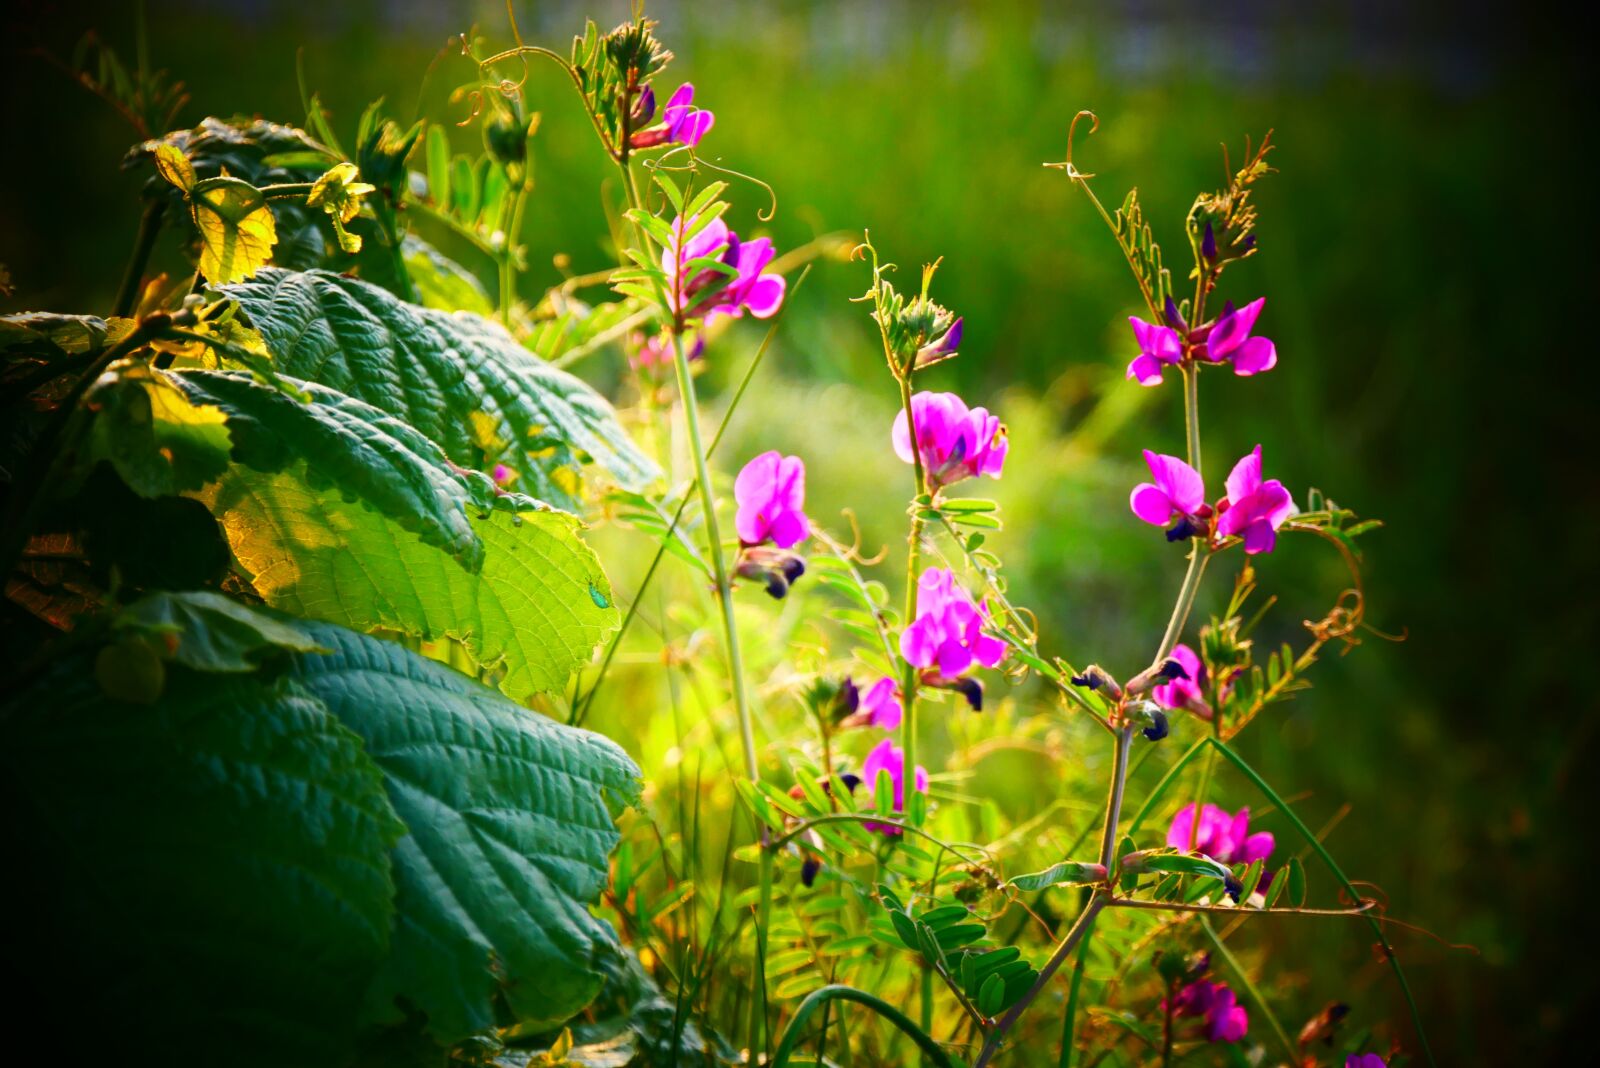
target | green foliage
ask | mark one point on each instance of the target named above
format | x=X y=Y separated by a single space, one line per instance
x=437 y=371
x=333 y=831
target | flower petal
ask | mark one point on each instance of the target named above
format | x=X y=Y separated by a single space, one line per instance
x=1259 y=537
x=1146 y=369
x=1181 y=483
x=1245 y=476
x=1254 y=356
x=1150 y=504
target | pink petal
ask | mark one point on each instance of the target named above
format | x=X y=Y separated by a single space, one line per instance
x=765 y=295
x=1147 y=369
x=1150 y=504
x=1180 y=834
x=1160 y=342
x=751 y=524
x=1259 y=537
x=1231 y=330
x=1245 y=476
x=954 y=658
x=919 y=643
x=1180 y=482
x=1257 y=847
x=1254 y=356
x=989 y=650
x=790 y=529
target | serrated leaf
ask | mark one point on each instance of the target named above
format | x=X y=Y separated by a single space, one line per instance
x=160 y=441
x=216 y=864
x=534 y=611
x=433 y=370
x=210 y=632
x=237 y=231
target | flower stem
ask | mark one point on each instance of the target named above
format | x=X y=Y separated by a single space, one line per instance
x=508 y=254
x=1191 y=411
x=908 y=671
x=1199 y=555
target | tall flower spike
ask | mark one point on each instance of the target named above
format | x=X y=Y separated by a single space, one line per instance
x=1253 y=509
x=955 y=442
x=771 y=494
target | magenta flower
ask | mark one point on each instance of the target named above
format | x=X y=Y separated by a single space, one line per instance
x=1177 y=497
x=503 y=476
x=881 y=705
x=1159 y=348
x=750 y=288
x=1229 y=339
x=1181 y=693
x=1222 y=837
x=948 y=631
x=681 y=122
x=886 y=756
x=1253 y=509
x=771 y=493
x=1365 y=1060
x=955 y=442
x=1225 y=1019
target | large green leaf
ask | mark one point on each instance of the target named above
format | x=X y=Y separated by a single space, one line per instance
x=353 y=447
x=459 y=378
x=511 y=825
x=534 y=611
x=210 y=869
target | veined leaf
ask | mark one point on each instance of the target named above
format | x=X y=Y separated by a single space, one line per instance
x=441 y=282
x=160 y=440
x=237 y=231
x=510 y=817
x=531 y=614
x=433 y=370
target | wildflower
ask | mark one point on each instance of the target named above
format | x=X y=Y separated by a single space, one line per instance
x=1365 y=1060
x=943 y=348
x=1225 y=1019
x=748 y=288
x=1177 y=494
x=771 y=493
x=948 y=631
x=890 y=758
x=954 y=442
x=681 y=122
x=880 y=706
x=1253 y=509
x=1185 y=690
x=1229 y=338
x=503 y=476
x=1159 y=347
x=1221 y=837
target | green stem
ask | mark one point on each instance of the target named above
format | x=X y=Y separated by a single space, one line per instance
x=1199 y=556
x=838 y=992
x=1349 y=888
x=149 y=230
x=1069 y=1022
x=508 y=254
x=908 y=671
x=1245 y=981
x=1191 y=412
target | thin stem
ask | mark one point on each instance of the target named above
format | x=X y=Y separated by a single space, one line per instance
x=508 y=254
x=908 y=671
x=1079 y=929
x=143 y=245
x=1069 y=1023
x=1191 y=411
x=1199 y=555
x=802 y=1013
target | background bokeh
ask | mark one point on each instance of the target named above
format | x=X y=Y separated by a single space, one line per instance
x=1424 y=256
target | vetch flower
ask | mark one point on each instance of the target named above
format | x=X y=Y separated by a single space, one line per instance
x=748 y=287
x=1221 y=837
x=1186 y=691
x=948 y=631
x=888 y=757
x=1225 y=1019
x=881 y=705
x=1229 y=339
x=1159 y=348
x=1176 y=497
x=503 y=476
x=681 y=122
x=771 y=493
x=1365 y=1060
x=944 y=348
x=955 y=442
x=1253 y=509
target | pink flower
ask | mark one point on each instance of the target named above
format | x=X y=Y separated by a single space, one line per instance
x=503 y=476
x=1177 y=497
x=771 y=493
x=1183 y=693
x=655 y=350
x=886 y=756
x=1222 y=837
x=1229 y=339
x=955 y=442
x=1364 y=1060
x=1159 y=348
x=709 y=292
x=681 y=122
x=948 y=631
x=1253 y=509
x=1225 y=1019
x=881 y=704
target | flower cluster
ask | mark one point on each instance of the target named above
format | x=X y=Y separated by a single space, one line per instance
x=1225 y=1020
x=953 y=441
x=1228 y=339
x=1252 y=511
x=947 y=635
x=696 y=287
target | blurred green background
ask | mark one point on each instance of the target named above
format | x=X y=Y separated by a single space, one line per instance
x=1425 y=274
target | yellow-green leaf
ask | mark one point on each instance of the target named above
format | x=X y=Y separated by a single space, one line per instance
x=237 y=232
